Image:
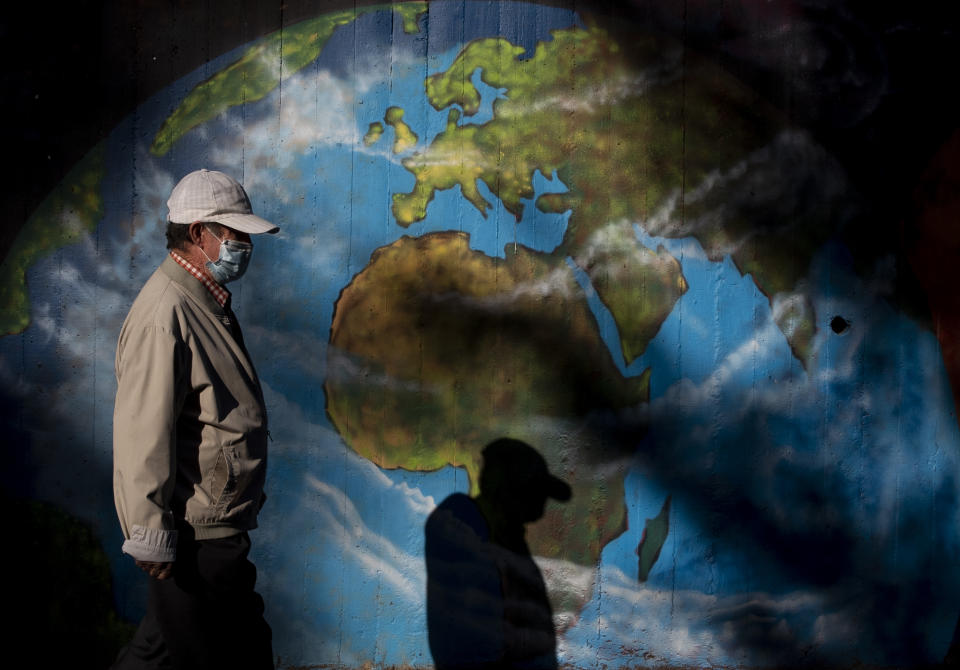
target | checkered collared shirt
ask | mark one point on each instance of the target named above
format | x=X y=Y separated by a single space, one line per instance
x=219 y=293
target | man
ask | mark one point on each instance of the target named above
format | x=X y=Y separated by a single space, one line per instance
x=190 y=440
x=487 y=605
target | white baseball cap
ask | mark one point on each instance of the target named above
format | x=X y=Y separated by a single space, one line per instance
x=215 y=197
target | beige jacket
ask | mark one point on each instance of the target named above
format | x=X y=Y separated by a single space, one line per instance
x=189 y=423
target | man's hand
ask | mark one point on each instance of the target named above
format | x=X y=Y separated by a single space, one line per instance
x=157 y=570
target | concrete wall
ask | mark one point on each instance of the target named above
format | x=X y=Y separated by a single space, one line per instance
x=699 y=256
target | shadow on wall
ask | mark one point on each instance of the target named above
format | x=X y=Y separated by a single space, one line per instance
x=487 y=604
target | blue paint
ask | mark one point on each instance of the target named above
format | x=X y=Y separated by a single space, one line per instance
x=834 y=446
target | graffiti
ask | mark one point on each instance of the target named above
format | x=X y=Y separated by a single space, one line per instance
x=596 y=234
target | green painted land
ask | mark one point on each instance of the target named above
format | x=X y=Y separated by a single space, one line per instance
x=640 y=286
x=655 y=533
x=794 y=316
x=256 y=73
x=404 y=137
x=75 y=207
x=374 y=133
x=72 y=209
x=626 y=136
x=437 y=349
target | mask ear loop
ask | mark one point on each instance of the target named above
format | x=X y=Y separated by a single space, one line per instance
x=206 y=228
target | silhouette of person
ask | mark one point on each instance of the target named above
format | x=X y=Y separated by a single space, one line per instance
x=487 y=604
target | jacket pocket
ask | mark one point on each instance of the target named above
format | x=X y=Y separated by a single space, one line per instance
x=224 y=477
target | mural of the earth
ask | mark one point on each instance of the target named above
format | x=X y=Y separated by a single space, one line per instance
x=497 y=220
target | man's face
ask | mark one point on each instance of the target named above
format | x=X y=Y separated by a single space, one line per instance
x=225 y=233
x=204 y=237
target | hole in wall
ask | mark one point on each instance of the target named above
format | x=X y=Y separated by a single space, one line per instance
x=839 y=325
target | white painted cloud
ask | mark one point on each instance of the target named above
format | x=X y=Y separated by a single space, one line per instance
x=420 y=504
x=614 y=247
x=630 y=624
x=289 y=427
x=289 y=348
x=314 y=109
x=604 y=93
x=152 y=187
x=378 y=557
x=760 y=345
x=784 y=180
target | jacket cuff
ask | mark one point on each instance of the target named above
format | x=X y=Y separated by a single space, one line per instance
x=151 y=544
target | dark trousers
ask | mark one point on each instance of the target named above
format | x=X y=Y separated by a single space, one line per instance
x=207 y=616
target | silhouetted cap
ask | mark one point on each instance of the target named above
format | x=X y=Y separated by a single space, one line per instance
x=521 y=464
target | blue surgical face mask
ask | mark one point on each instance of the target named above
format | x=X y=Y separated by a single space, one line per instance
x=232 y=261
